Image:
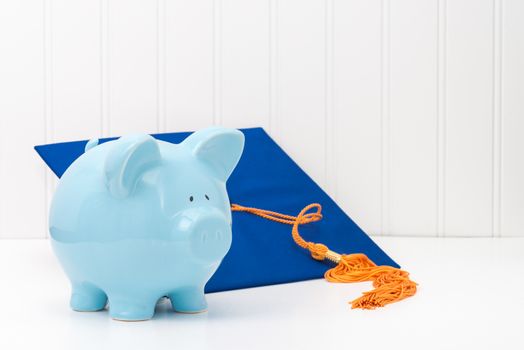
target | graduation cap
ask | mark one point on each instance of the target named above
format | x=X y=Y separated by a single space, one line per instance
x=266 y=183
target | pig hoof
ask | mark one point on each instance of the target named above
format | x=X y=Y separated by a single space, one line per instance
x=130 y=316
x=131 y=311
x=132 y=319
x=189 y=301
x=191 y=312
x=87 y=298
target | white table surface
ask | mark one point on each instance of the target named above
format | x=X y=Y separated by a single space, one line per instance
x=471 y=296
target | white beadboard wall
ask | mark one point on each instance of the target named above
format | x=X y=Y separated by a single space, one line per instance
x=410 y=113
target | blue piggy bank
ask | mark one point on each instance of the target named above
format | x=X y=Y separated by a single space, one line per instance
x=137 y=219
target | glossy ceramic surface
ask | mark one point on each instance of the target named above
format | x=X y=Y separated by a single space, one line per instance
x=136 y=219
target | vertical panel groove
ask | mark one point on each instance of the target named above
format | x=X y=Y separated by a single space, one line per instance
x=189 y=64
x=330 y=158
x=273 y=66
x=48 y=98
x=161 y=66
x=385 y=117
x=105 y=127
x=497 y=115
x=441 y=118
x=511 y=110
x=217 y=62
x=469 y=118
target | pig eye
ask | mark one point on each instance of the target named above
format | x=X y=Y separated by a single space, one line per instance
x=191 y=198
x=207 y=197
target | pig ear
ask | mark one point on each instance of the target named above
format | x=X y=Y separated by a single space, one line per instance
x=130 y=157
x=218 y=147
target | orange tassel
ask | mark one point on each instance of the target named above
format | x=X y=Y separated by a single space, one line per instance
x=391 y=284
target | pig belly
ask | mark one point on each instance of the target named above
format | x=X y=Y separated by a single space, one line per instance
x=133 y=266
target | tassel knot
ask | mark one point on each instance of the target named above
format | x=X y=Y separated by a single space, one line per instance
x=318 y=250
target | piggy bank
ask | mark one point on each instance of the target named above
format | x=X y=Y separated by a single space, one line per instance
x=137 y=219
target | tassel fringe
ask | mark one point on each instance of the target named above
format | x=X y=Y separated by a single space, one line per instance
x=391 y=284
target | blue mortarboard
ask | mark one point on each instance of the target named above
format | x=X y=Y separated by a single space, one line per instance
x=265 y=177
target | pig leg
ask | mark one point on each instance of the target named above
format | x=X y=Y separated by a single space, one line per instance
x=188 y=300
x=86 y=297
x=132 y=308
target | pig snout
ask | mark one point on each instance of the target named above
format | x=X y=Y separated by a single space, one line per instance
x=209 y=233
x=211 y=237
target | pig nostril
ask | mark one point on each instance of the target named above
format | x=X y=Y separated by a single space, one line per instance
x=190 y=198
x=207 y=197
